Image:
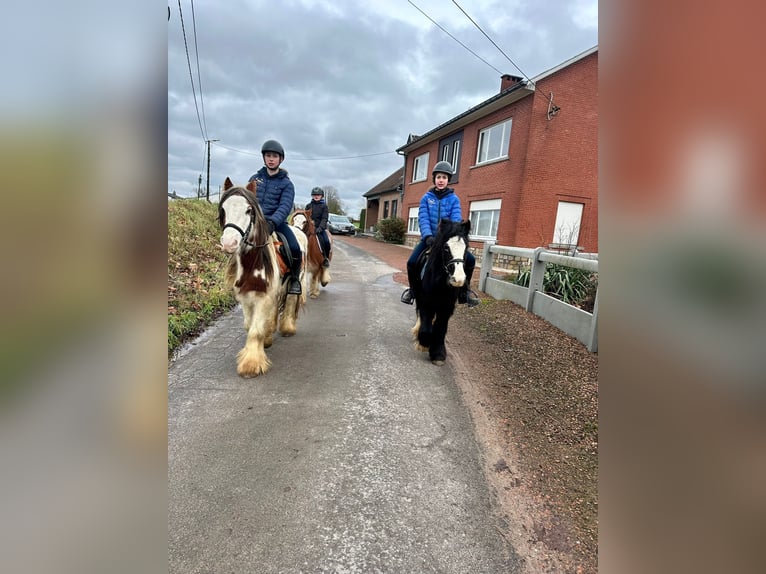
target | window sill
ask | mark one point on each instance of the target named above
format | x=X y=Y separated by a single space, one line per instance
x=490 y=162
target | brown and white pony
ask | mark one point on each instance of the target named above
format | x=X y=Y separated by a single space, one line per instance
x=314 y=259
x=255 y=275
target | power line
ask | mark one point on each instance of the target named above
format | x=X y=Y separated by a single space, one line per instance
x=308 y=158
x=191 y=77
x=199 y=77
x=507 y=57
x=456 y=40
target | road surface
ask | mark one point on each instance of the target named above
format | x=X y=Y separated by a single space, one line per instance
x=353 y=454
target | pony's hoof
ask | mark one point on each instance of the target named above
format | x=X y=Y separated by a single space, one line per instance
x=313 y=296
x=438 y=362
x=248 y=369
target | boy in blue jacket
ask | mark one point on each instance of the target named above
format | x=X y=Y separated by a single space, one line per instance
x=275 y=195
x=439 y=202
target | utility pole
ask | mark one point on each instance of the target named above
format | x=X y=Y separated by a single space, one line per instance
x=208 y=168
x=199 y=187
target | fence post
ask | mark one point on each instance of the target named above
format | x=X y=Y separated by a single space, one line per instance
x=486 y=264
x=536 y=276
x=593 y=339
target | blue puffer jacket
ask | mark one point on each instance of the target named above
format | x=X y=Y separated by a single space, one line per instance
x=275 y=194
x=435 y=206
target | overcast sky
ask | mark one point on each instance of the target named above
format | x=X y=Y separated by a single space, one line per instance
x=335 y=80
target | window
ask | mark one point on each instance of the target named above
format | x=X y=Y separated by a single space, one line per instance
x=420 y=168
x=567 y=228
x=449 y=150
x=393 y=207
x=484 y=216
x=385 y=210
x=494 y=142
x=412 y=221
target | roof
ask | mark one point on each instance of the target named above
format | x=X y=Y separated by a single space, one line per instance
x=391 y=183
x=511 y=94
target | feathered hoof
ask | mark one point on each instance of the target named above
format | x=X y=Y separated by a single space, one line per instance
x=251 y=364
x=268 y=342
x=438 y=362
x=324 y=283
x=314 y=295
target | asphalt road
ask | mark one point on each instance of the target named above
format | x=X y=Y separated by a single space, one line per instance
x=353 y=454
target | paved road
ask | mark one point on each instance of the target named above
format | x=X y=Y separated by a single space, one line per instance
x=353 y=454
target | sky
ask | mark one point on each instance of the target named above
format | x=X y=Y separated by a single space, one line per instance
x=342 y=84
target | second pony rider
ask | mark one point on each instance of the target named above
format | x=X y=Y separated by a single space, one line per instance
x=319 y=215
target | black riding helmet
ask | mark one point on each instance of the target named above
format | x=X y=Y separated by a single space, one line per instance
x=442 y=167
x=273 y=146
x=317 y=191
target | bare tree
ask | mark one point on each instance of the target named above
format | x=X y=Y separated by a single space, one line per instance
x=331 y=197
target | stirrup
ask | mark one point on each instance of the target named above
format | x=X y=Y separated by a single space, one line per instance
x=407 y=297
x=470 y=298
x=294 y=287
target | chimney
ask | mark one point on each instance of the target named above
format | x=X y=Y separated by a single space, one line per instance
x=507 y=80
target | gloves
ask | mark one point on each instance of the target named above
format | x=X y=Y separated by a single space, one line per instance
x=429 y=240
x=271 y=226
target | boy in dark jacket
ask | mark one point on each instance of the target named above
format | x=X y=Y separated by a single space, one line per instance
x=319 y=215
x=439 y=202
x=275 y=194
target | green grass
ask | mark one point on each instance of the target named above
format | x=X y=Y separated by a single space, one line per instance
x=196 y=264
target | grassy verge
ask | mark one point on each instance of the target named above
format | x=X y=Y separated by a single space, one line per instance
x=196 y=294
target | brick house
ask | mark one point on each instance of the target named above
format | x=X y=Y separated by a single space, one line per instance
x=384 y=200
x=526 y=161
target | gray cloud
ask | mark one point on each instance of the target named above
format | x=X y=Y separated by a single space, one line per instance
x=342 y=79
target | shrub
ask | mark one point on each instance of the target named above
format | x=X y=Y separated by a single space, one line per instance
x=392 y=230
x=574 y=286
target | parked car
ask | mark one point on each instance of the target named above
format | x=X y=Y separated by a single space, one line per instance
x=340 y=224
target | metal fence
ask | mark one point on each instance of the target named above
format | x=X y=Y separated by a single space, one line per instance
x=574 y=321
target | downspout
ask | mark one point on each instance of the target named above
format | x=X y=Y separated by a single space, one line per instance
x=401 y=187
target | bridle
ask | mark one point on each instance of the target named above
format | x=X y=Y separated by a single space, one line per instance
x=250 y=200
x=454 y=261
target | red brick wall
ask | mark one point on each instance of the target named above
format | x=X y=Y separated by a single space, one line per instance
x=549 y=161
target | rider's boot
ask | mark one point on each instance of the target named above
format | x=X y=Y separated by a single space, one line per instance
x=294 y=280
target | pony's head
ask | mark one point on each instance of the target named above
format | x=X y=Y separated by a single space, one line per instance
x=240 y=217
x=448 y=250
x=302 y=220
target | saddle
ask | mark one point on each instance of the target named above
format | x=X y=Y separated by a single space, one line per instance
x=284 y=255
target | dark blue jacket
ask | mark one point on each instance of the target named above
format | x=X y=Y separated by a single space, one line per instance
x=275 y=194
x=435 y=207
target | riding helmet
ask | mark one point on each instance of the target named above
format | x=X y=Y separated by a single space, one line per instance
x=273 y=146
x=317 y=191
x=443 y=167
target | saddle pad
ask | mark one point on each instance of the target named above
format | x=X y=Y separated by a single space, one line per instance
x=283 y=268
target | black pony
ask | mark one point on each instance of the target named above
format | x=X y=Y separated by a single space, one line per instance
x=442 y=276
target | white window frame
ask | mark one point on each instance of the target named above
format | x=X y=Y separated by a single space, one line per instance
x=487 y=206
x=412 y=221
x=500 y=130
x=420 y=167
x=566 y=230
